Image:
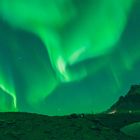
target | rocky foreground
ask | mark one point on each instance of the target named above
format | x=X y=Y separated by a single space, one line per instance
x=28 y=126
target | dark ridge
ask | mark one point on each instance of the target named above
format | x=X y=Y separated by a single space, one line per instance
x=128 y=103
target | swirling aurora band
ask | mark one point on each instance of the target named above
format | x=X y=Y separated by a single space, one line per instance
x=73 y=32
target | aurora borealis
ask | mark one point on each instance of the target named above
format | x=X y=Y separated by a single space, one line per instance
x=64 y=56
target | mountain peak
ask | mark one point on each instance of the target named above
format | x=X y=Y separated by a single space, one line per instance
x=135 y=89
x=128 y=103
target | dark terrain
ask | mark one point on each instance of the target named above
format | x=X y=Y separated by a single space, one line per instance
x=26 y=126
x=103 y=126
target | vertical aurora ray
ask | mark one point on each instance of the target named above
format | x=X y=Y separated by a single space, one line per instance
x=4 y=100
x=6 y=80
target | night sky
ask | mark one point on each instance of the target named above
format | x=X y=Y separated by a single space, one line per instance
x=69 y=56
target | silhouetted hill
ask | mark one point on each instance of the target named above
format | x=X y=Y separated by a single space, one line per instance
x=128 y=103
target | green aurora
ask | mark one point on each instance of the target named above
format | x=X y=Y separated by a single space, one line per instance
x=64 y=56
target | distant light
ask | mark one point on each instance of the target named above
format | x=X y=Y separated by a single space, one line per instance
x=130 y=111
x=112 y=112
